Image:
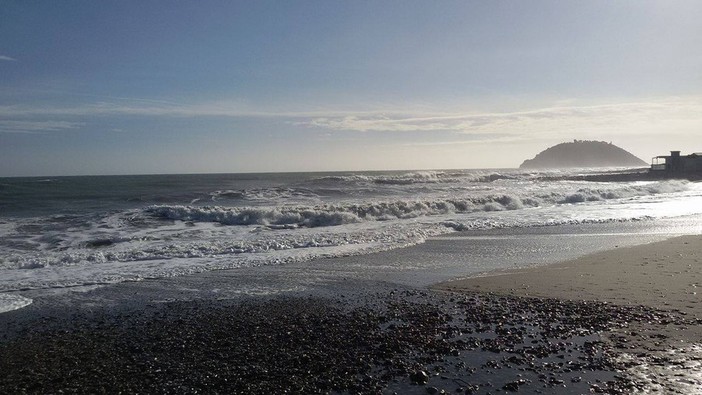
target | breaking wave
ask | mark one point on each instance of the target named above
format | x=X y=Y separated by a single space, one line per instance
x=341 y=214
x=597 y=194
x=263 y=194
x=418 y=177
x=435 y=177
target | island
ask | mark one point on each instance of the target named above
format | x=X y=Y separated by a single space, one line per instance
x=583 y=153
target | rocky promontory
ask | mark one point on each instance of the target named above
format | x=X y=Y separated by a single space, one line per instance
x=581 y=153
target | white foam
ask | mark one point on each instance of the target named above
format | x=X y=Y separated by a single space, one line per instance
x=400 y=179
x=115 y=272
x=9 y=302
x=348 y=213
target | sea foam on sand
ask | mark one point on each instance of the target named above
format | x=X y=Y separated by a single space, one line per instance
x=9 y=302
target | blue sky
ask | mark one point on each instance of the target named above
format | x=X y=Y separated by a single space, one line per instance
x=125 y=87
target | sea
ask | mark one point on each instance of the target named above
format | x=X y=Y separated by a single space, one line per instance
x=64 y=232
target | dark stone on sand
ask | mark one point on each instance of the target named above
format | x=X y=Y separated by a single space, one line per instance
x=419 y=377
x=388 y=342
x=513 y=386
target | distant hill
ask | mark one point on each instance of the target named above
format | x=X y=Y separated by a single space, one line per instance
x=581 y=153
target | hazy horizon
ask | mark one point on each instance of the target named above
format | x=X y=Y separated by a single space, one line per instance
x=237 y=87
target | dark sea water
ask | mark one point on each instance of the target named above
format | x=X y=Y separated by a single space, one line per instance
x=62 y=232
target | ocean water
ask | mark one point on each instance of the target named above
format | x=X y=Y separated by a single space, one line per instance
x=77 y=231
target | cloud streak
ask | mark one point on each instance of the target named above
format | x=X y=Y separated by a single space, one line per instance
x=142 y=107
x=7 y=58
x=669 y=115
x=651 y=118
x=611 y=116
x=36 y=127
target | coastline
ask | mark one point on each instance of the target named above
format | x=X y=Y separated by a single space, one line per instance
x=352 y=336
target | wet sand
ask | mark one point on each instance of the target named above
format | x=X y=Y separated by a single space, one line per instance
x=665 y=276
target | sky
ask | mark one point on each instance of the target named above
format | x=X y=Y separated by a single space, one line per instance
x=150 y=87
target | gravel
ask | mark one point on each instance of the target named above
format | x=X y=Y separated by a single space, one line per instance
x=399 y=341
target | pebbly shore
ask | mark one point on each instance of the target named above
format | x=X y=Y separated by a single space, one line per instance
x=394 y=341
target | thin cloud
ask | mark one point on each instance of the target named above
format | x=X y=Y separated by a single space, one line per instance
x=479 y=139
x=142 y=108
x=671 y=115
x=7 y=58
x=37 y=127
x=638 y=118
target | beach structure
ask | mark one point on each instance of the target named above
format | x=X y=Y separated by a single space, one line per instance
x=677 y=164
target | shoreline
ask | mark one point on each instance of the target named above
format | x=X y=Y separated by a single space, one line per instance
x=388 y=338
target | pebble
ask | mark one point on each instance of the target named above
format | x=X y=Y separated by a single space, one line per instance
x=406 y=341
